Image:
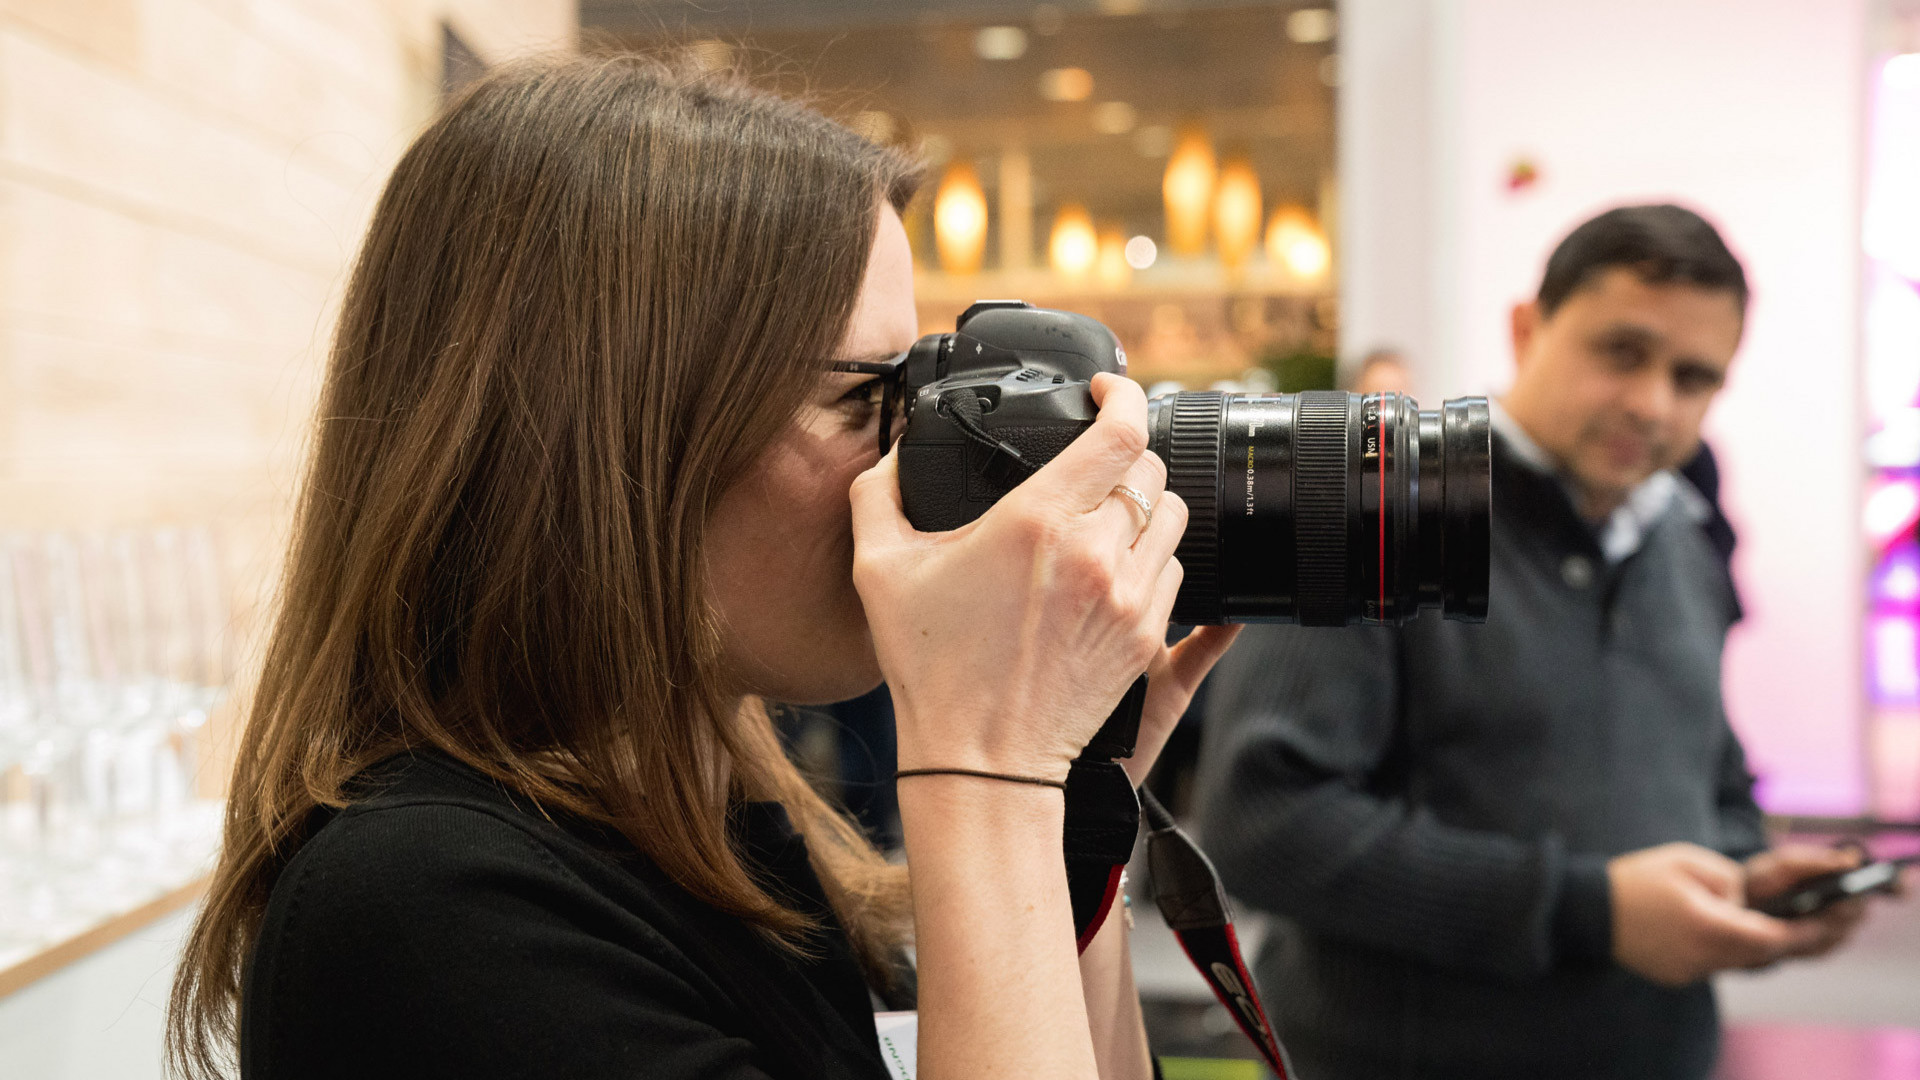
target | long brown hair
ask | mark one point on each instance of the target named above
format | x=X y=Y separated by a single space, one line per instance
x=592 y=289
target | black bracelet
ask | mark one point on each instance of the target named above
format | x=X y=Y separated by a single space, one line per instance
x=1010 y=778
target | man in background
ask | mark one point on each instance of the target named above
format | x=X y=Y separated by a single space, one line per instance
x=1383 y=371
x=1518 y=850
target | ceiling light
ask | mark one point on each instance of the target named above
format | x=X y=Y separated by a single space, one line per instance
x=1296 y=243
x=1066 y=84
x=1236 y=212
x=1000 y=43
x=960 y=220
x=1141 y=251
x=1073 y=247
x=1187 y=188
x=1113 y=118
x=1311 y=26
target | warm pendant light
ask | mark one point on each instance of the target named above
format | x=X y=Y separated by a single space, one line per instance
x=1236 y=212
x=960 y=220
x=1296 y=244
x=1073 y=248
x=1188 y=190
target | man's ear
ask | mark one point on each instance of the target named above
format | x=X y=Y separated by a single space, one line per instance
x=1524 y=322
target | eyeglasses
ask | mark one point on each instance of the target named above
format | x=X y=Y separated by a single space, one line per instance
x=892 y=380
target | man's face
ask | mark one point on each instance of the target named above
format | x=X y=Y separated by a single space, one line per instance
x=1616 y=383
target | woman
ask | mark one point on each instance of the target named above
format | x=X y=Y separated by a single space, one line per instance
x=508 y=802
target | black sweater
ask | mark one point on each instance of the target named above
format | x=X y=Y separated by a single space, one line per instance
x=1432 y=808
x=441 y=929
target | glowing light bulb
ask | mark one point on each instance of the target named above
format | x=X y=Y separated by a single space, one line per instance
x=1000 y=43
x=1073 y=248
x=1295 y=243
x=1236 y=212
x=1187 y=189
x=960 y=220
x=1141 y=252
x=1311 y=26
x=1066 y=84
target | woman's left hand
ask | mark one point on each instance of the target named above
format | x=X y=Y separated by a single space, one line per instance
x=1171 y=682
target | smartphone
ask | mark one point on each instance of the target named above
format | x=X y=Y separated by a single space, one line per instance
x=1816 y=894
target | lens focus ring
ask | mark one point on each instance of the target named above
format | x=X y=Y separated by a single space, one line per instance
x=1320 y=507
x=1193 y=473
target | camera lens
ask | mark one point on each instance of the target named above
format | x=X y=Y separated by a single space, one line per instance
x=1327 y=508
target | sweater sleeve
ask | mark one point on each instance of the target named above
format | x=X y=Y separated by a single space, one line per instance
x=1301 y=814
x=1743 y=831
x=437 y=941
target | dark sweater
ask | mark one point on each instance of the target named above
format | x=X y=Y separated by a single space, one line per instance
x=438 y=929
x=1431 y=808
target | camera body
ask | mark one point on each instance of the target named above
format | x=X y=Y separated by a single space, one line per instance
x=1028 y=370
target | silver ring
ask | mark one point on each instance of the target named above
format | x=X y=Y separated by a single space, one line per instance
x=1138 y=500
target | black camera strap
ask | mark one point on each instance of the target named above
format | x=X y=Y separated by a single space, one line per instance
x=1187 y=890
x=1103 y=821
x=1102 y=816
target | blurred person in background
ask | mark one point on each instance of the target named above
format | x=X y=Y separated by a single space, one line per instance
x=1518 y=850
x=1383 y=371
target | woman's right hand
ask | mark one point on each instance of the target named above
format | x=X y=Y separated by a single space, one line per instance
x=1006 y=642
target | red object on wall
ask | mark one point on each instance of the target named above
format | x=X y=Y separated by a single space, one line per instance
x=1521 y=175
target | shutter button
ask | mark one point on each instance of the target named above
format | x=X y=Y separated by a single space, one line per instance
x=1577 y=571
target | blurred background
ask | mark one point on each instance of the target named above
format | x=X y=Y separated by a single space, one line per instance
x=1253 y=195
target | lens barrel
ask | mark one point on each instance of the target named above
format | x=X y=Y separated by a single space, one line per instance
x=1327 y=508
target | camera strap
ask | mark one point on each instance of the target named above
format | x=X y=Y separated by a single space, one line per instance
x=1187 y=890
x=1102 y=816
x=1103 y=821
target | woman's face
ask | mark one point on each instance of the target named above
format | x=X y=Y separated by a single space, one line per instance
x=780 y=541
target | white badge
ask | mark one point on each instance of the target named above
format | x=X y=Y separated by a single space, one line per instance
x=899 y=1042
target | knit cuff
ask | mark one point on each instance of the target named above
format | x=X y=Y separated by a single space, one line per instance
x=1583 y=920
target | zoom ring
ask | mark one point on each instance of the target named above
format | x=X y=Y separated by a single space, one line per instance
x=1320 y=507
x=1193 y=473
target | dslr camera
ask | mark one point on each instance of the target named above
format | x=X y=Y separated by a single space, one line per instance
x=1323 y=508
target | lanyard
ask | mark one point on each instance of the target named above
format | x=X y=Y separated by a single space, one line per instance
x=1103 y=821
x=1188 y=893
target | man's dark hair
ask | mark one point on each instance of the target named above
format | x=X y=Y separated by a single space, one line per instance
x=1662 y=245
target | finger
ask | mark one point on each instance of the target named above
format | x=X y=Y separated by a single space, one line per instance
x=1157 y=542
x=1726 y=878
x=1148 y=476
x=1166 y=587
x=1779 y=869
x=879 y=517
x=1083 y=475
x=1806 y=860
x=1190 y=660
x=1749 y=938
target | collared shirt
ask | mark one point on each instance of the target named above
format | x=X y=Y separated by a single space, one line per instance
x=1624 y=530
